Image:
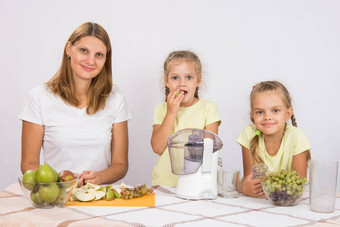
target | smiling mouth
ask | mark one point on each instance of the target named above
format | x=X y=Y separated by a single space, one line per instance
x=268 y=124
x=86 y=68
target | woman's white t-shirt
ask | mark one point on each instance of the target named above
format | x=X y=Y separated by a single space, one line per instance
x=74 y=140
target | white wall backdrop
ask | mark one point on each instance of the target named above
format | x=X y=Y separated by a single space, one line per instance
x=239 y=42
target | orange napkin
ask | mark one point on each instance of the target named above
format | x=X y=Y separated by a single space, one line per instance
x=144 y=201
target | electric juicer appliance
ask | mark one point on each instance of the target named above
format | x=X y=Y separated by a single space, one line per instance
x=194 y=157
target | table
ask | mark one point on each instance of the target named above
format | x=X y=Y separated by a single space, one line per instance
x=15 y=210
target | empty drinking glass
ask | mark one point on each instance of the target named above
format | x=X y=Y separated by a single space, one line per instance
x=323 y=177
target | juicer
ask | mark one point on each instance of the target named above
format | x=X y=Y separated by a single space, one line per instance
x=194 y=158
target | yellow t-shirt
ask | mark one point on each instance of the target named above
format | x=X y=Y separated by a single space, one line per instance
x=199 y=115
x=294 y=142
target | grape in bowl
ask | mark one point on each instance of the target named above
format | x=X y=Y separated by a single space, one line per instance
x=284 y=188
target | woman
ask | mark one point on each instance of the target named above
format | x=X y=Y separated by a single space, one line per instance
x=78 y=118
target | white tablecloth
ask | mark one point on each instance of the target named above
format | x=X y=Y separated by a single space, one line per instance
x=15 y=210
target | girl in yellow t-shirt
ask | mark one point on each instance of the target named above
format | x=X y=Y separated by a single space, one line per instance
x=270 y=139
x=182 y=109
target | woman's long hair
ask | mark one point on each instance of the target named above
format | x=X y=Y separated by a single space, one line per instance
x=62 y=83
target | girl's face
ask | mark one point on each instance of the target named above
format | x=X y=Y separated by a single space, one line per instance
x=270 y=113
x=182 y=76
x=87 y=56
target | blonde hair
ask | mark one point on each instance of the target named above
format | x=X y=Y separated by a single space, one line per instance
x=62 y=83
x=182 y=55
x=264 y=87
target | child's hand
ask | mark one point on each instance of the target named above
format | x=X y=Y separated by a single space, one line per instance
x=251 y=187
x=174 y=100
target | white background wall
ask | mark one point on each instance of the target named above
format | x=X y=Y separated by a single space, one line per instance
x=239 y=42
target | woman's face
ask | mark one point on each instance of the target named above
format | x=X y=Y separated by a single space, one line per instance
x=87 y=56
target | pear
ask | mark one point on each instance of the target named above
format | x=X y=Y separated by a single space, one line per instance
x=45 y=174
x=99 y=195
x=28 y=180
x=36 y=198
x=84 y=196
x=110 y=195
x=73 y=195
x=102 y=188
x=61 y=199
x=116 y=194
x=107 y=188
x=55 y=174
x=49 y=192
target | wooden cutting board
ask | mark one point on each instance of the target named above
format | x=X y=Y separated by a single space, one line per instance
x=144 y=201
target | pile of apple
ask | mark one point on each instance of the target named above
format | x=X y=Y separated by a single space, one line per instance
x=46 y=186
x=92 y=192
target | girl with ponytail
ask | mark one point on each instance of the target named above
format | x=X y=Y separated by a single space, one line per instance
x=270 y=139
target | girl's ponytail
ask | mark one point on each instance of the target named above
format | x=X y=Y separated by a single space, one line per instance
x=292 y=118
x=253 y=146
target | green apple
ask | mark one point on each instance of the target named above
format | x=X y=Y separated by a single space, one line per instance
x=28 y=179
x=49 y=192
x=45 y=174
x=36 y=198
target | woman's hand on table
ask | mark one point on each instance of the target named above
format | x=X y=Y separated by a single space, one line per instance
x=251 y=187
x=88 y=177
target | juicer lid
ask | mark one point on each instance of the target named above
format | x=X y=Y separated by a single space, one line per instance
x=193 y=137
x=190 y=148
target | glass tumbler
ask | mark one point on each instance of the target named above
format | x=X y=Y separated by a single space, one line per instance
x=228 y=182
x=259 y=171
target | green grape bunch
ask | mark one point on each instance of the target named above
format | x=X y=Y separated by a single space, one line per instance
x=284 y=188
x=136 y=192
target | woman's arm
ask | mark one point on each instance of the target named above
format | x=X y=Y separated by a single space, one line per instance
x=249 y=186
x=300 y=163
x=31 y=141
x=119 y=158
